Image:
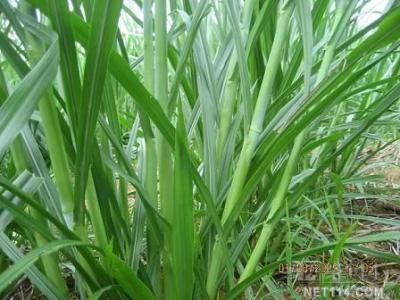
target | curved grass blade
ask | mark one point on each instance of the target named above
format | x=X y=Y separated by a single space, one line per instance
x=19 y=106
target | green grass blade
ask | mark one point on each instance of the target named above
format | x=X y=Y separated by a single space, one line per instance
x=124 y=275
x=182 y=224
x=101 y=39
x=68 y=58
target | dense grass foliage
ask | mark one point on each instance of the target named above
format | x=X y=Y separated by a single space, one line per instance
x=184 y=149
